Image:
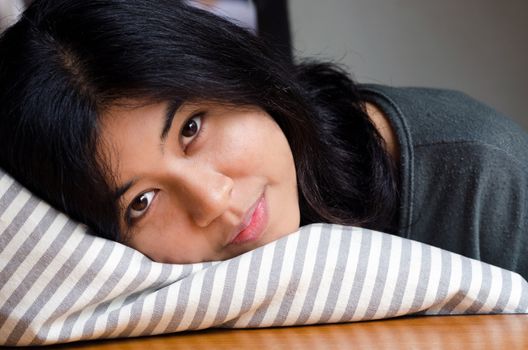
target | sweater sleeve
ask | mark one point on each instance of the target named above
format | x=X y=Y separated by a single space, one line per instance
x=464 y=174
x=471 y=198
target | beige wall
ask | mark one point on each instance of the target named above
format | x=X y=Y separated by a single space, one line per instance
x=476 y=46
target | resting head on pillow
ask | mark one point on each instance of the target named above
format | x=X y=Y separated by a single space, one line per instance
x=170 y=129
x=182 y=135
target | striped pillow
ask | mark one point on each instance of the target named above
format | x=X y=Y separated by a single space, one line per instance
x=60 y=284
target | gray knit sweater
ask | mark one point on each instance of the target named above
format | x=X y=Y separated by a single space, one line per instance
x=464 y=174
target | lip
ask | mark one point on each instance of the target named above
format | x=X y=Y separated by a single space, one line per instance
x=254 y=223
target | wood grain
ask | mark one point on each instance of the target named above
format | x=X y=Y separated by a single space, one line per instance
x=439 y=332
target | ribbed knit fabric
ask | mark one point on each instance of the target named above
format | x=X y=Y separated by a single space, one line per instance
x=464 y=174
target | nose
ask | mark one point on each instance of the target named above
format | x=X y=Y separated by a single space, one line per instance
x=205 y=193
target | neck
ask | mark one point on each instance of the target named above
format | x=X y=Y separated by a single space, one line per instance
x=385 y=129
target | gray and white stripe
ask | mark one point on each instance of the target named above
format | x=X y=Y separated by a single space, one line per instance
x=60 y=284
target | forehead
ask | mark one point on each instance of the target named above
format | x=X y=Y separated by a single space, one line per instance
x=128 y=134
x=124 y=117
x=121 y=123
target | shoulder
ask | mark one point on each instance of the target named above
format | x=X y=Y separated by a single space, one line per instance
x=448 y=117
x=456 y=154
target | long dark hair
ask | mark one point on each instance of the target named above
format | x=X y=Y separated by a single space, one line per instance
x=66 y=61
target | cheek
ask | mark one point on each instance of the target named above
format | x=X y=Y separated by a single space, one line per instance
x=169 y=240
x=255 y=148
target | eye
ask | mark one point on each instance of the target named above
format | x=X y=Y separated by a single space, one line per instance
x=140 y=205
x=191 y=128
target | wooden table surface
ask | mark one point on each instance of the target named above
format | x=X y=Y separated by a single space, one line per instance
x=439 y=332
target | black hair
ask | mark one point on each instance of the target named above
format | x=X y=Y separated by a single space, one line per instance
x=65 y=61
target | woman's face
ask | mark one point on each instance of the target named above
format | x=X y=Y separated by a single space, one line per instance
x=205 y=182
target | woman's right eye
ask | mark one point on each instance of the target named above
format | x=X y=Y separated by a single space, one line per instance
x=140 y=205
x=191 y=128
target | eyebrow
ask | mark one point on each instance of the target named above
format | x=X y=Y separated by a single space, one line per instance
x=121 y=190
x=170 y=112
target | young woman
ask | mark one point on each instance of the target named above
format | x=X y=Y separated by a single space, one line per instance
x=185 y=137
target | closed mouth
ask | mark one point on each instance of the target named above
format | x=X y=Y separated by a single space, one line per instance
x=254 y=222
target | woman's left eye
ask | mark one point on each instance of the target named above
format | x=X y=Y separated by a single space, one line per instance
x=191 y=128
x=140 y=205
